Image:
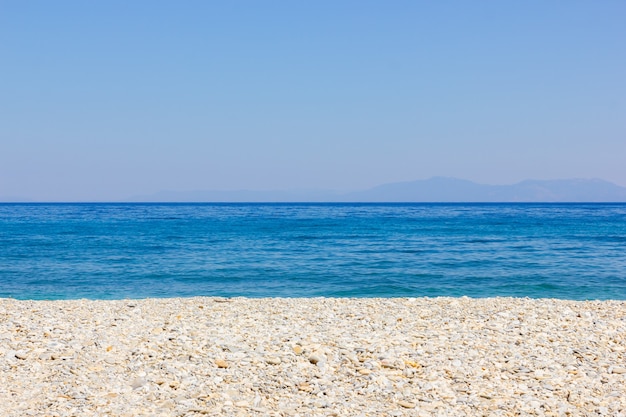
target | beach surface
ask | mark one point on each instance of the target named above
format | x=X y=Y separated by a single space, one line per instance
x=312 y=357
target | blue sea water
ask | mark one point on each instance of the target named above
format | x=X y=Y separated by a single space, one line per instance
x=114 y=251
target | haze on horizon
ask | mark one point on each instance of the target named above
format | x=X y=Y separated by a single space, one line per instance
x=103 y=101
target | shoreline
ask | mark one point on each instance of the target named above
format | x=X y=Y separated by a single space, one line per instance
x=312 y=356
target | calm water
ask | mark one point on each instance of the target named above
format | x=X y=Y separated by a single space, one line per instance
x=54 y=251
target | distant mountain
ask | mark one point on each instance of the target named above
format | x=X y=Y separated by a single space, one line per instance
x=436 y=189
x=240 y=196
x=442 y=189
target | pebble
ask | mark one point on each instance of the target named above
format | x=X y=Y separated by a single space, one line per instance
x=238 y=356
x=21 y=354
x=316 y=358
x=273 y=360
x=138 y=383
x=221 y=363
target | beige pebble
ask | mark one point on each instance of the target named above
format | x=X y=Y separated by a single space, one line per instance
x=221 y=363
x=406 y=404
x=138 y=383
x=273 y=360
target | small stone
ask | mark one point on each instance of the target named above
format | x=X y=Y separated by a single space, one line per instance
x=241 y=403
x=138 y=383
x=412 y=364
x=615 y=370
x=304 y=386
x=315 y=358
x=321 y=403
x=21 y=354
x=297 y=349
x=273 y=360
x=221 y=363
x=406 y=404
x=534 y=404
x=388 y=363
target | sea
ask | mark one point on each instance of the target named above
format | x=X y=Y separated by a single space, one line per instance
x=135 y=250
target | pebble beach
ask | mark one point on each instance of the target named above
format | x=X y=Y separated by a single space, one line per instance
x=208 y=356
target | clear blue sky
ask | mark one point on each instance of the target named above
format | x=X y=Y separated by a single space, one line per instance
x=105 y=100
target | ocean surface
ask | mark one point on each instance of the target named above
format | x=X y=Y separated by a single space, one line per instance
x=115 y=251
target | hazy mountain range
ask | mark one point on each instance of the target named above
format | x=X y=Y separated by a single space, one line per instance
x=436 y=189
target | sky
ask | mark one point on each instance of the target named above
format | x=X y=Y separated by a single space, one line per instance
x=101 y=101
